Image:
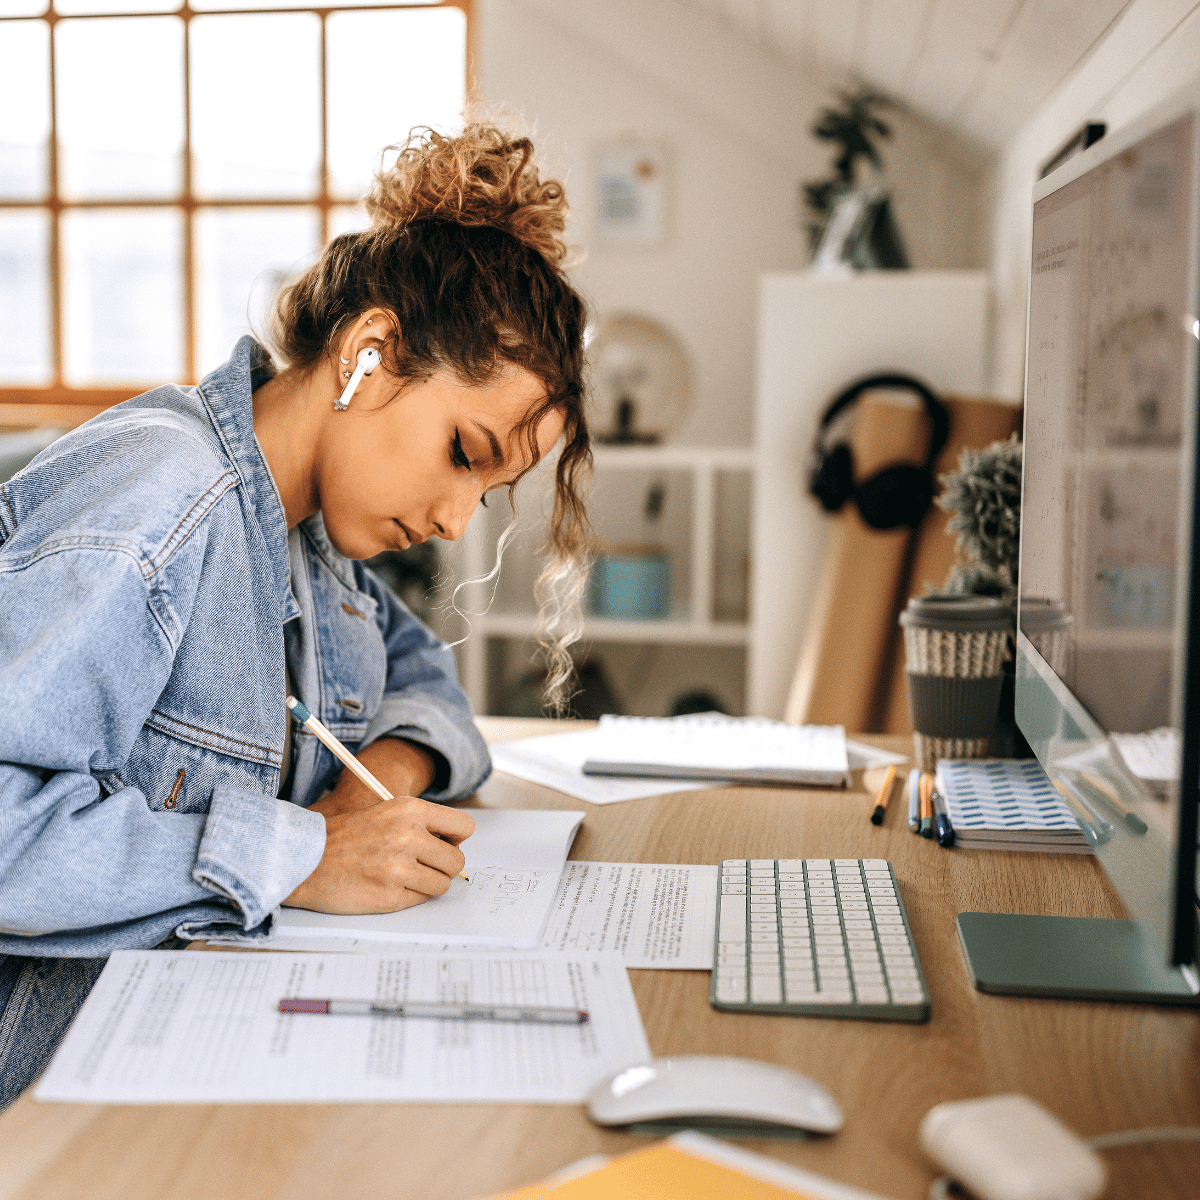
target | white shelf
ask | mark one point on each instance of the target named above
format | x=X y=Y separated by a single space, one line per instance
x=694 y=626
x=675 y=630
x=689 y=458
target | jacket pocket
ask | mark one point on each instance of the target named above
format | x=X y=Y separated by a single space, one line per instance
x=178 y=774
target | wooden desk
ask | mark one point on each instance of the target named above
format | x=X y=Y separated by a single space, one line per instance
x=1100 y=1067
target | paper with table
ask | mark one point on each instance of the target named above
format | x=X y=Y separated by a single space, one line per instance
x=658 y=915
x=514 y=859
x=164 y=1026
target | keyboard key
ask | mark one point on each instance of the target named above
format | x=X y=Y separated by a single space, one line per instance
x=733 y=919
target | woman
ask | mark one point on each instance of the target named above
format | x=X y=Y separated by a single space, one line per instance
x=171 y=569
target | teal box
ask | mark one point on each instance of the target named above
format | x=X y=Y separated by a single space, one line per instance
x=631 y=586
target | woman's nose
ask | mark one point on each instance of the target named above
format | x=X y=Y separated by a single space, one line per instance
x=451 y=517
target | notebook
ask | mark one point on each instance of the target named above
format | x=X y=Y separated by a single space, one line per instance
x=1007 y=804
x=687 y=1166
x=514 y=860
x=712 y=746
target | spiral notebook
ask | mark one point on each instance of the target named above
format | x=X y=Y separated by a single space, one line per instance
x=712 y=746
x=1007 y=804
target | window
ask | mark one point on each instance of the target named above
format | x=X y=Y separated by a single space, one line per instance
x=163 y=166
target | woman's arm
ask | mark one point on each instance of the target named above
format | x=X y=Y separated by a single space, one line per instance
x=85 y=651
x=423 y=703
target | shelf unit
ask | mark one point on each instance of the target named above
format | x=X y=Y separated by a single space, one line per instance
x=691 y=621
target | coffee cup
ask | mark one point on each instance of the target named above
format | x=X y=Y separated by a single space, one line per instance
x=955 y=648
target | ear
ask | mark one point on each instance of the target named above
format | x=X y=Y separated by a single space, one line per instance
x=369 y=331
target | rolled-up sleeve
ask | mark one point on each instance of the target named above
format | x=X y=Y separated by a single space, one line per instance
x=422 y=700
x=85 y=650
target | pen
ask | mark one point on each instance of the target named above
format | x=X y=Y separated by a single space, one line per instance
x=926 y=806
x=941 y=817
x=456 y=1012
x=322 y=734
x=914 y=800
x=885 y=791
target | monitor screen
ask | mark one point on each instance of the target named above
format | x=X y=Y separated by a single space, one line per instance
x=1108 y=646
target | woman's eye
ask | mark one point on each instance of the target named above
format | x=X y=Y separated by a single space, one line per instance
x=458 y=455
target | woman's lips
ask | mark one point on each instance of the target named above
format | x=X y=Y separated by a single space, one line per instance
x=409 y=539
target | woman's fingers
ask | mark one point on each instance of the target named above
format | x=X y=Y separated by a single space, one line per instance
x=453 y=824
x=428 y=881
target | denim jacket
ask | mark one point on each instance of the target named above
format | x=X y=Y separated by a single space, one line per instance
x=149 y=592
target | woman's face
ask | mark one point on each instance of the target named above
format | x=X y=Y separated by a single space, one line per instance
x=406 y=463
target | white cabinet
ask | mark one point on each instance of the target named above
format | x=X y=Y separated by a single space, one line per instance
x=704 y=526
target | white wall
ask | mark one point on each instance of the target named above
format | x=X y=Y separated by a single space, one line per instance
x=1152 y=50
x=736 y=119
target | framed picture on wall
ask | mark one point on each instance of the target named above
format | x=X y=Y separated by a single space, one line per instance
x=632 y=185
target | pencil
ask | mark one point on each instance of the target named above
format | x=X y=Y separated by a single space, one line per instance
x=927 y=806
x=914 y=800
x=885 y=791
x=322 y=734
x=1131 y=819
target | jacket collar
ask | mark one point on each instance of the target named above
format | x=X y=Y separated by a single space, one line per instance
x=227 y=394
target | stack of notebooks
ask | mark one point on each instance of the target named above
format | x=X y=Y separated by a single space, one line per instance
x=1007 y=804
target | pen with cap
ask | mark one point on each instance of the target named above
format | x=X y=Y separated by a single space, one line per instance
x=321 y=732
x=943 y=830
x=535 y=1014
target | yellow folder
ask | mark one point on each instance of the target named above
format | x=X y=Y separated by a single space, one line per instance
x=683 y=1168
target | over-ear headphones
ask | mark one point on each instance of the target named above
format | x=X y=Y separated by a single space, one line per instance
x=897 y=495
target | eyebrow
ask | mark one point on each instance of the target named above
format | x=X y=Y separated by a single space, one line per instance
x=497 y=453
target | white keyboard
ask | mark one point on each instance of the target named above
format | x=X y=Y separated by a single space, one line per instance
x=815 y=937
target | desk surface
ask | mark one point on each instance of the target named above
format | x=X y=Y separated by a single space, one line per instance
x=1100 y=1067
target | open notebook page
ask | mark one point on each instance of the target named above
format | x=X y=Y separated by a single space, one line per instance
x=514 y=860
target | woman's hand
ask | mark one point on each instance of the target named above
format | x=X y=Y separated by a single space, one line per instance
x=384 y=857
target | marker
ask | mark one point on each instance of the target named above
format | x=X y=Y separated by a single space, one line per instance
x=453 y=1012
x=322 y=734
x=926 y=830
x=914 y=800
x=885 y=791
x=941 y=818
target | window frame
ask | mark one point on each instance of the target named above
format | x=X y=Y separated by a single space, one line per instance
x=60 y=402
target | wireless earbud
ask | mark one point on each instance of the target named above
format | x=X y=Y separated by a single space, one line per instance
x=368 y=360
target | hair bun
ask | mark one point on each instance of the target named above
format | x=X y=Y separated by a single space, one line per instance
x=478 y=177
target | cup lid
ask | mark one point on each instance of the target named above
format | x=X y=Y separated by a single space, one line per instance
x=1040 y=615
x=957 y=612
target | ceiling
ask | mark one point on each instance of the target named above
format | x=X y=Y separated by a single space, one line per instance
x=978 y=66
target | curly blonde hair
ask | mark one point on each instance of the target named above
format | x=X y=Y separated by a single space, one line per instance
x=465 y=250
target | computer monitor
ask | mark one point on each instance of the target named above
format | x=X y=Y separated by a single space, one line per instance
x=1108 y=628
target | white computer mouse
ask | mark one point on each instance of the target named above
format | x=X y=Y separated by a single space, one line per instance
x=709 y=1090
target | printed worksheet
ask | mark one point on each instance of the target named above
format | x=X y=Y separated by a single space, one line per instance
x=167 y=1027
x=652 y=914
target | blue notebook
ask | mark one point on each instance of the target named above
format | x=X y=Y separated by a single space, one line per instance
x=1007 y=804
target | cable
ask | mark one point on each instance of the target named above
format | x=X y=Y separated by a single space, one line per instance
x=940 y=1189
x=1161 y=1133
